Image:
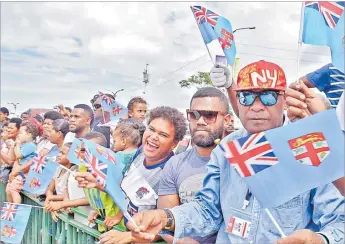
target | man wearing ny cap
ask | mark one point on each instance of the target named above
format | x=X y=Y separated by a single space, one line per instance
x=315 y=217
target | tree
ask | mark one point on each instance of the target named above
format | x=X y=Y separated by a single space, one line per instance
x=202 y=79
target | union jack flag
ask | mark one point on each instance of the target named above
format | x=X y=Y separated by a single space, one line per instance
x=331 y=11
x=106 y=153
x=250 y=155
x=96 y=167
x=38 y=164
x=106 y=98
x=203 y=15
x=8 y=211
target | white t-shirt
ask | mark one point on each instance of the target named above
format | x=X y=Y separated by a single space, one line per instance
x=69 y=137
x=74 y=193
x=340 y=111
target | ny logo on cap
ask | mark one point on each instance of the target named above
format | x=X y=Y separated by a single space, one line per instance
x=265 y=76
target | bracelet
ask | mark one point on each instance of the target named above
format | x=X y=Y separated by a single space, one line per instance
x=170 y=218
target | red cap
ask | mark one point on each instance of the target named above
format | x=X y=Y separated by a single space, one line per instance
x=261 y=75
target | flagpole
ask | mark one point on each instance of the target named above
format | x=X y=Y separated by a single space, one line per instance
x=275 y=223
x=11 y=203
x=208 y=50
x=102 y=107
x=300 y=41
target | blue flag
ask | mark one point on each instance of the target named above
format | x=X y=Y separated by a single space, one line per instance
x=107 y=169
x=40 y=174
x=14 y=218
x=215 y=27
x=74 y=154
x=324 y=25
x=279 y=164
x=112 y=110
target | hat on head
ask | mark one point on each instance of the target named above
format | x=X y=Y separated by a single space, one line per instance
x=261 y=75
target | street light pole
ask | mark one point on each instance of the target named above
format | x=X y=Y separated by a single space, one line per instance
x=15 y=107
x=244 y=28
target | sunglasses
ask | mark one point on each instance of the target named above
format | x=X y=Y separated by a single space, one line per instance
x=208 y=116
x=97 y=106
x=267 y=98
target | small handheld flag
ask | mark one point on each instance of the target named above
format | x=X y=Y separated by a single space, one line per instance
x=215 y=27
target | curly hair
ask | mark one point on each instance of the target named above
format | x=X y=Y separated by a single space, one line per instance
x=135 y=100
x=131 y=129
x=30 y=128
x=174 y=116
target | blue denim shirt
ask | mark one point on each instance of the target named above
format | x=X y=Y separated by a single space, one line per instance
x=320 y=209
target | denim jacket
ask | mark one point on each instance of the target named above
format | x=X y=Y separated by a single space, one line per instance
x=320 y=209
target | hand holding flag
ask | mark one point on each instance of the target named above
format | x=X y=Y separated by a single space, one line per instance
x=215 y=27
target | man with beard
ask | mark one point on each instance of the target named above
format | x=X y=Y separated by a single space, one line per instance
x=183 y=174
x=80 y=122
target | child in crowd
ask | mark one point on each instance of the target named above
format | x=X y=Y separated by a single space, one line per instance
x=127 y=138
x=59 y=181
x=137 y=108
x=24 y=150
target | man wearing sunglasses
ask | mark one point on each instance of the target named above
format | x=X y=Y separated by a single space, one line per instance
x=183 y=174
x=225 y=204
x=97 y=109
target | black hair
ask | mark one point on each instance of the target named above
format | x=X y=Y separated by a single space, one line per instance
x=135 y=100
x=16 y=121
x=52 y=115
x=212 y=92
x=174 y=116
x=97 y=135
x=4 y=111
x=68 y=109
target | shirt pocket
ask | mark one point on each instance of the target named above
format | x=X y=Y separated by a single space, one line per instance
x=288 y=216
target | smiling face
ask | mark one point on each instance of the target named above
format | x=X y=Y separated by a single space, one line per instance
x=158 y=140
x=258 y=117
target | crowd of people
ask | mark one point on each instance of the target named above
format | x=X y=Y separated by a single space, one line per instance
x=185 y=197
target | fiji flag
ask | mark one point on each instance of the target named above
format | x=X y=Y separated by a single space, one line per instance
x=74 y=154
x=14 y=218
x=40 y=174
x=108 y=172
x=279 y=164
x=215 y=27
x=324 y=25
x=112 y=110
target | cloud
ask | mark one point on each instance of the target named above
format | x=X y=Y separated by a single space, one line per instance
x=55 y=53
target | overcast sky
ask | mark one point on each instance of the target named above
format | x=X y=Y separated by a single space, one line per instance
x=55 y=53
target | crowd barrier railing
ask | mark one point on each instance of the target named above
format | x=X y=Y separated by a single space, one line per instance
x=42 y=229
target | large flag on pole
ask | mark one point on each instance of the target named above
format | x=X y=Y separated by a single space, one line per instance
x=215 y=27
x=279 y=164
x=323 y=24
x=112 y=110
x=14 y=218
